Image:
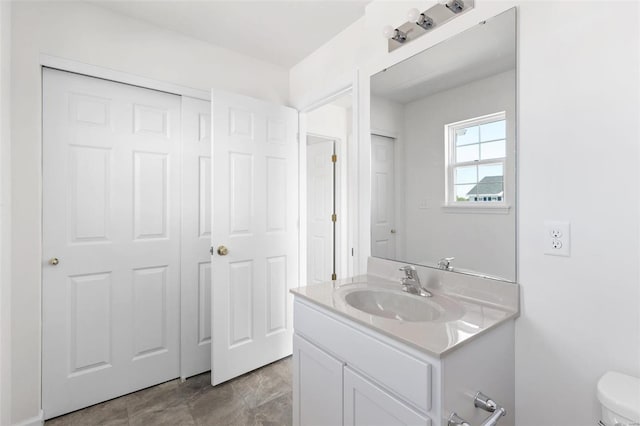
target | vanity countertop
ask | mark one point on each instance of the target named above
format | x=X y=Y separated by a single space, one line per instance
x=435 y=338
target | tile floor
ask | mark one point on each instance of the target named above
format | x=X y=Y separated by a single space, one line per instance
x=261 y=397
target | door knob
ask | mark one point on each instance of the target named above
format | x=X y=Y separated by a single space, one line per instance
x=222 y=251
x=54 y=261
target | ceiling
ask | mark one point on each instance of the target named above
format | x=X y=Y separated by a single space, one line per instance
x=482 y=51
x=281 y=32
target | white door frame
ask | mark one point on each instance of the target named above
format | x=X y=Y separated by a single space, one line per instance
x=349 y=151
x=48 y=61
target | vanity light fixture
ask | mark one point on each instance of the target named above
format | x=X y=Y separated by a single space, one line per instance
x=456 y=6
x=419 y=23
x=394 y=34
x=422 y=20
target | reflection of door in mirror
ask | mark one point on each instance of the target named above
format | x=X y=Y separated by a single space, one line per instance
x=320 y=208
x=383 y=232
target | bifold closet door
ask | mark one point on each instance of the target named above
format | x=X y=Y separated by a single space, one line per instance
x=111 y=240
x=195 y=314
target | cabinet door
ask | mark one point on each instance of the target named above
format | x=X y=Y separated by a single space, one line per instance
x=365 y=404
x=317 y=386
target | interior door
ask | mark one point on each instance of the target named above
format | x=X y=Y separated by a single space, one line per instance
x=320 y=208
x=254 y=233
x=383 y=234
x=111 y=233
x=195 y=271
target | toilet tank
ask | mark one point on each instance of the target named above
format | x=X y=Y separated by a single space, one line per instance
x=619 y=395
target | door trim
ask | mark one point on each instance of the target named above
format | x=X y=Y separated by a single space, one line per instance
x=69 y=65
x=351 y=265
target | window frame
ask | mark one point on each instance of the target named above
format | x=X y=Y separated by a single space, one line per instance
x=451 y=204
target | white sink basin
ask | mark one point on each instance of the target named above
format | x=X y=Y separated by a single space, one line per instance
x=403 y=306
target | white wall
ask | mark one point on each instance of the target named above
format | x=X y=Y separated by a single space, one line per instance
x=89 y=34
x=578 y=136
x=387 y=117
x=5 y=216
x=482 y=242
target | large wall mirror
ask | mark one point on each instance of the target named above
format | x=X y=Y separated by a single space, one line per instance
x=443 y=153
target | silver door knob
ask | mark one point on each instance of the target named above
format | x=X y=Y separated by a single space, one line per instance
x=223 y=251
x=54 y=261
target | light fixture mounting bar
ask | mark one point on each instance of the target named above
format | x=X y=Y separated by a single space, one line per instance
x=438 y=15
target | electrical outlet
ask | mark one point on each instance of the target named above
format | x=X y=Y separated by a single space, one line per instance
x=557 y=238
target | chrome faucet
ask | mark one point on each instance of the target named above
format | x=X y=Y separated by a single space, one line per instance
x=445 y=263
x=411 y=282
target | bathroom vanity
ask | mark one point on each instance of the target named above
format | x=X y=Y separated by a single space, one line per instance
x=369 y=360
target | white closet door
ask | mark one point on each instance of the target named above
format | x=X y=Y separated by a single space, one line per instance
x=383 y=232
x=195 y=313
x=255 y=214
x=320 y=192
x=111 y=222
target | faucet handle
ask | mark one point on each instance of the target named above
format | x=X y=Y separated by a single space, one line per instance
x=409 y=271
x=445 y=263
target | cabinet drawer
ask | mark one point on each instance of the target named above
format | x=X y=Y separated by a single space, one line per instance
x=402 y=374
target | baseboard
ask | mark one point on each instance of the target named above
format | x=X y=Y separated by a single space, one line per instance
x=33 y=421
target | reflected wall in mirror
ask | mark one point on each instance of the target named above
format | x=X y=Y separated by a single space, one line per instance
x=443 y=153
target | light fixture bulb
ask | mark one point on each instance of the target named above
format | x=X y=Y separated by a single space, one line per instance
x=388 y=31
x=413 y=15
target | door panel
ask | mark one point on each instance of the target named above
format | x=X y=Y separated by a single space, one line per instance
x=320 y=188
x=383 y=198
x=254 y=214
x=195 y=263
x=111 y=217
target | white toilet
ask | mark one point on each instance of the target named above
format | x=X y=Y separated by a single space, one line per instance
x=619 y=395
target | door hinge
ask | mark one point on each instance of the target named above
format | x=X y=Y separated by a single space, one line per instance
x=334 y=277
x=334 y=158
x=334 y=217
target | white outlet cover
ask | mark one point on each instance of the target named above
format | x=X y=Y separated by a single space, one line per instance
x=557 y=238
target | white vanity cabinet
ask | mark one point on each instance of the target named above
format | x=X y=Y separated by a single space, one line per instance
x=349 y=374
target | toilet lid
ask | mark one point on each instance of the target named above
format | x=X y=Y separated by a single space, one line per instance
x=621 y=394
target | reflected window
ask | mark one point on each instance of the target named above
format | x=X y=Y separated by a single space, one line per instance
x=476 y=160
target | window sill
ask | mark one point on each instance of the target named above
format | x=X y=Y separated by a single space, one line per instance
x=475 y=209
